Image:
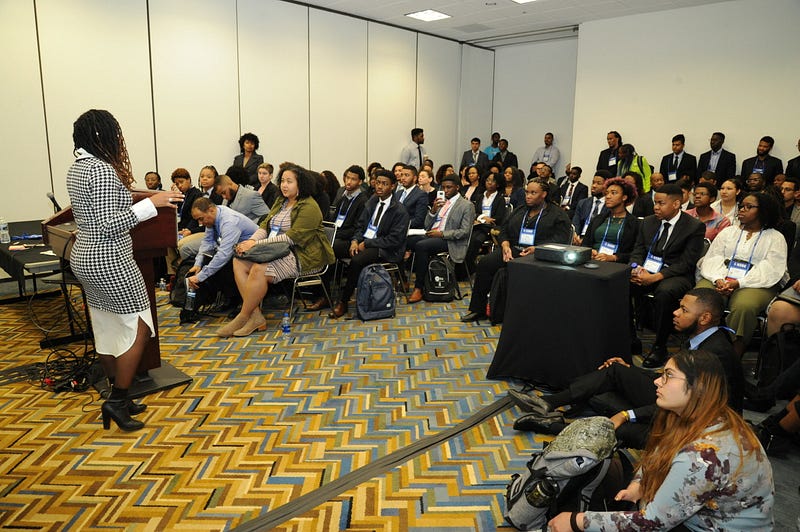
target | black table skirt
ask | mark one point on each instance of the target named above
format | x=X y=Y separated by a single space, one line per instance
x=14 y=262
x=562 y=321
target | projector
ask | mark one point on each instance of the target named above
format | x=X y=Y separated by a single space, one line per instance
x=562 y=254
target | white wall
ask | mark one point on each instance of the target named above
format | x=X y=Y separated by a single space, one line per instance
x=534 y=92
x=733 y=69
x=475 y=113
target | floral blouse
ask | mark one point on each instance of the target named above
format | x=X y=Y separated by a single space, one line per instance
x=708 y=487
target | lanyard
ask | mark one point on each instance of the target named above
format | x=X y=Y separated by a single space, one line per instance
x=535 y=226
x=619 y=232
x=348 y=207
x=752 y=251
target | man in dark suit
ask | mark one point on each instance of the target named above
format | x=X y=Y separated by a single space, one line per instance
x=793 y=166
x=763 y=162
x=717 y=160
x=608 y=157
x=572 y=190
x=380 y=236
x=678 y=163
x=589 y=207
x=475 y=157
x=505 y=157
x=627 y=394
x=412 y=197
x=667 y=249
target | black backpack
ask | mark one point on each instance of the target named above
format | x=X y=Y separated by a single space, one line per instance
x=440 y=281
x=497 y=296
x=777 y=353
x=375 y=294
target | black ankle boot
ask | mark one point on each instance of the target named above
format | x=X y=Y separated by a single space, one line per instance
x=135 y=409
x=117 y=409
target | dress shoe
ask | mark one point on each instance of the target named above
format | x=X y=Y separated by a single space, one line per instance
x=256 y=321
x=530 y=402
x=319 y=304
x=657 y=358
x=534 y=423
x=232 y=326
x=472 y=316
x=416 y=296
x=117 y=409
x=339 y=310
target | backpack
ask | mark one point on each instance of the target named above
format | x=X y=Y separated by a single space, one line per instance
x=497 y=297
x=777 y=353
x=375 y=294
x=565 y=474
x=440 y=281
x=177 y=297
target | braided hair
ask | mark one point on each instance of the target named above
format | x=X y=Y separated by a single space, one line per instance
x=98 y=132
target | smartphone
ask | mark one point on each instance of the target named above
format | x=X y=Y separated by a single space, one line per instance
x=440 y=194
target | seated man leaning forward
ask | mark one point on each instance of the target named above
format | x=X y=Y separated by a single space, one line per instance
x=448 y=226
x=380 y=236
x=539 y=221
x=626 y=393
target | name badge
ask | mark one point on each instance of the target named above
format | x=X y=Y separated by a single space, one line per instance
x=371 y=232
x=586 y=226
x=672 y=176
x=526 y=237
x=757 y=170
x=607 y=249
x=546 y=157
x=653 y=264
x=486 y=210
x=612 y=161
x=737 y=269
x=339 y=220
x=274 y=230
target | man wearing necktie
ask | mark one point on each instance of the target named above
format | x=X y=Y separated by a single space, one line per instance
x=667 y=249
x=475 y=157
x=413 y=154
x=588 y=208
x=448 y=226
x=678 y=163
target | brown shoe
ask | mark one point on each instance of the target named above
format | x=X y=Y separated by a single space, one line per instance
x=339 y=310
x=319 y=304
x=416 y=296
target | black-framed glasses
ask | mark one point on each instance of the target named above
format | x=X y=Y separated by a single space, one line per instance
x=666 y=375
x=747 y=206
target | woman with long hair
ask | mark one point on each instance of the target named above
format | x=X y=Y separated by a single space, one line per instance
x=728 y=203
x=295 y=218
x=703 y=467
x=513 y=191
x=99 y=185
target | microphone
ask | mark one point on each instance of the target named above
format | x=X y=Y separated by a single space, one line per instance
x=52 y=198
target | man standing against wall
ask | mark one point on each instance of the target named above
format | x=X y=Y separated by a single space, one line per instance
x=608 y=158
x=678 y=163
x=413 y=154
x=475 y=157
x=763 y=163
x=717 y=160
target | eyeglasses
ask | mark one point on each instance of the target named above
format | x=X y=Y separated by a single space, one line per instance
x=747 y=207
x=667 y=375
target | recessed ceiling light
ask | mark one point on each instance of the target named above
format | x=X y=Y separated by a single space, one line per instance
x=428 y=15
x=523 y=1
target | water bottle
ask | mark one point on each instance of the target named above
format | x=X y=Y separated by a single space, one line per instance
x=162 y=284
x=190 y=296
x=286 y=326
x=5 y=236
x=542 y=493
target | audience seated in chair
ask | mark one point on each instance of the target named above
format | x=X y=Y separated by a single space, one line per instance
x=668 y=246
x=490 y=211
x=190 y=244
x=538 y=222
x=590 y=207
x=704 y=195
x=448 y=226
x=412 y=197
x=612 y=234
x=296 y=220
x=380 y=236
x=239 y=198
x=187 y=225
x=268 y=190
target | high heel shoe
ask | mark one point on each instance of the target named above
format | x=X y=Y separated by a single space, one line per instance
x=117 y=410
x=232 y=326
x=135 y=409
x=256 y=321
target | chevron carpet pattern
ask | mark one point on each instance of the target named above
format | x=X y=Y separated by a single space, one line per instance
x=265 y=421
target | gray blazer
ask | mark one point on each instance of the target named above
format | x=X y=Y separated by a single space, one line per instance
x=457 y=227
x=250 y=203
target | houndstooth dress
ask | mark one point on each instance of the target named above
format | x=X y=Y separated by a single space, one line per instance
x=102 y=257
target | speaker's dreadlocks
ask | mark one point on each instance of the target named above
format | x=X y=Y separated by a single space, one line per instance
x=98 y=132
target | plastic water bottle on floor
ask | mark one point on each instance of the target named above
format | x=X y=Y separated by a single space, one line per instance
x=5 y=236
x=162 y=284
x=286 y=326
x=190 y=296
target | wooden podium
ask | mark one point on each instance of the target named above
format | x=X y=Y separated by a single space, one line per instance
x=151 y=239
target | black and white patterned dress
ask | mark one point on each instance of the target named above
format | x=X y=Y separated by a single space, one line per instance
x=102 y=257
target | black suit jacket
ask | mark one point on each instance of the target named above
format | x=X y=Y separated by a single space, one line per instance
x=185 y=211
x=683 y=249
x=720 y=344
x=602 y=161
x=483 y=161
x=580 y=192
x=390 y=238
x=352 y=213
x=726 y=165
x=793 y=168
x=627 y=238
x=772 y=167
x=499 y=211
x=688 y=165
x=510 y=160
x=416 y=203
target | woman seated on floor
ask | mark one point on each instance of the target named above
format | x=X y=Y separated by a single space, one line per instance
x=747 y=264
x=539 y=221
x=703 y=468
x=296 y=220
x=612 y=234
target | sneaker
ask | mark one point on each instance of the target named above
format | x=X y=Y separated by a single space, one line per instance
x=530 y=402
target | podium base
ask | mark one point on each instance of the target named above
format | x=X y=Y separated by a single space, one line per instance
x=162 y=378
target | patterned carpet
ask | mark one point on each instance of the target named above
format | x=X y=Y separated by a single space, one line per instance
x=265 y=421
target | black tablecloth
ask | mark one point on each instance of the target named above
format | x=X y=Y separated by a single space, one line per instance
x=562 y=321
x=14 y=262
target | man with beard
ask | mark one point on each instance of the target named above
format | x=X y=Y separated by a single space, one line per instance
x=588 y=208
x=763 y=162
x=608 y=157
x=718 y=160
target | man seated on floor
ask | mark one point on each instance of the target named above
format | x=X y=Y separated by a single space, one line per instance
x=241 y=199
x=627 y=394
x=380 y=236
x=225 y=228
x=412 y=197
x=448 y=226
x=345 y=212
x=667 y=249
